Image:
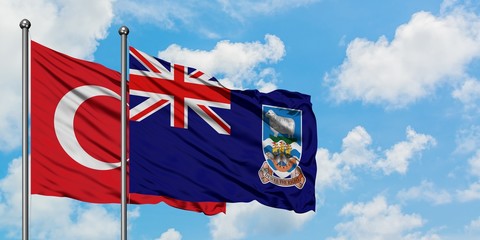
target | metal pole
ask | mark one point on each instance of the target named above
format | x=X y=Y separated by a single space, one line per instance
x=25 y=26
x=123 y=31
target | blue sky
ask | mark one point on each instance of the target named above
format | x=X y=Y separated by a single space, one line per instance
x=395 y=88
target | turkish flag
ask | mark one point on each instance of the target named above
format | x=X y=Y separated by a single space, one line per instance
x=75 y=132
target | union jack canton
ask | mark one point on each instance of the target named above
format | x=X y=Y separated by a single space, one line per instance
x=166 y=84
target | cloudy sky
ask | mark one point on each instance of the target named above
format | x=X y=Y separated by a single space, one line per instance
x=395 y=88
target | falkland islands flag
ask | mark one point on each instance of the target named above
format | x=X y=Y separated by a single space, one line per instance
x=195 y=140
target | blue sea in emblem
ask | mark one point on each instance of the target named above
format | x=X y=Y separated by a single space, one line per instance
x=267 y=149
x=295 y=153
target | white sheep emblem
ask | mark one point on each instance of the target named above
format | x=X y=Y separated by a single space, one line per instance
x=279 y=124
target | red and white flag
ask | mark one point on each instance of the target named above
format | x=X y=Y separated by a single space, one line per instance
x=75 y=132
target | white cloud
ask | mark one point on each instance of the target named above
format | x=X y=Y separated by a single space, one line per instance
x=377 y=220
x=242 y=9
x=170 y=234
x=425 y=191
x=69 y=26
x=246 y=219
x=268 y=80
x=471 y=231
x=411 y=66
x=398 y=157
x=11 y=196
x=134 y=213
x=337 y=168
x=448 y=5
x=73 y=27
x=91 y=222
x=468 y=94
x=473 y=226
x=196 y=16
x=355 y=151
x=474 y=163
x=160 y=12
x=468 y=140
x=53 y=217
x=420 y=236
x=470 y=194
x=238 y=63
x=334 y=172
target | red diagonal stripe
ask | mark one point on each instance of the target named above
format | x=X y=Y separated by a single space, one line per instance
x=197 y=74
x=215 y=118
x=144 y=60
x=148 y=110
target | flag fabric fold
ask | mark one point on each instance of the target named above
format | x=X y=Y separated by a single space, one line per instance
x=75 y=132
x=195 y=140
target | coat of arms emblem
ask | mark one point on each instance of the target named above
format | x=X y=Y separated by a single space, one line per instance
x=282 y=147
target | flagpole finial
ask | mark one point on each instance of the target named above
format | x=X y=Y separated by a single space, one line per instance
x=123 y=30
x=25 y=24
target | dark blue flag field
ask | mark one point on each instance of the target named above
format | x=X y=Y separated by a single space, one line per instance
x=193 y=139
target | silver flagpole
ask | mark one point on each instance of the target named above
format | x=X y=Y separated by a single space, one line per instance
x=123 y=31
x=25 y=26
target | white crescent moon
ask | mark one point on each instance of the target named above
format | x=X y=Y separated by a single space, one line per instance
x=63 y=124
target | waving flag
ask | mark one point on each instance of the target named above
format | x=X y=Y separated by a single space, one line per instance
x=76 y=132
x=175 y=90
x=195 y=140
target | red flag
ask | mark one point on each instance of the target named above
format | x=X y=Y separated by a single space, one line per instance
x=75 y=132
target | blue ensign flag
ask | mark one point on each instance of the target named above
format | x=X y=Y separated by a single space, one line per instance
x=193 y=139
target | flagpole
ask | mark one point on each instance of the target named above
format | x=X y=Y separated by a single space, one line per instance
x=123 y=31
x=25 y=26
